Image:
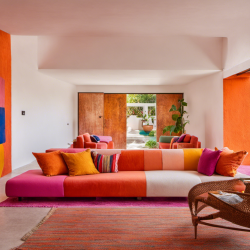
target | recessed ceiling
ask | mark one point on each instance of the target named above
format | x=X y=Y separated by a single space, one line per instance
x=127 y=77
x=153 y=22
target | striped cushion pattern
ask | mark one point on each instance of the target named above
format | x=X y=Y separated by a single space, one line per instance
x=105 y=163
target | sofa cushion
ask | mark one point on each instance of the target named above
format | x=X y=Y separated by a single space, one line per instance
x=181 y=159
x=131 y=160
x=152 y=159
x=170 y=183
x=67 y=150
x=34 y=184
x=121 y=184
x=217 y=177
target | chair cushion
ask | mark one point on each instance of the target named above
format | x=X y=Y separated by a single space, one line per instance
x=187 y=138
x=102 y=145
x=120 y=184
x=34 y=184
x=86 y=137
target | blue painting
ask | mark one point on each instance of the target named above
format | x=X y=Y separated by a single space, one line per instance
x=2 y=125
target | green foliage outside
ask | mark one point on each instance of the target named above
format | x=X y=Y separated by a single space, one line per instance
x=152 y=133
x=151 y=111
x=151 y=144
x=141 y=98
x=138 y=111
x=180 y=122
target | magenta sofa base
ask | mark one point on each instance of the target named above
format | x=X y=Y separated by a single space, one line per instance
x=34 y=184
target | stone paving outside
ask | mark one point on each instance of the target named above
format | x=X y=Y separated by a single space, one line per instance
x=137 y=141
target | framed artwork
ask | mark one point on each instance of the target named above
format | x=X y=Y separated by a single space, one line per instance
x=2 y=123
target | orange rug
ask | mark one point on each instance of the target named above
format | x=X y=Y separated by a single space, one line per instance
x=130 y=228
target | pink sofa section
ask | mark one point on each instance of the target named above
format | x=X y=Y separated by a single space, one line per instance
x=34 y=184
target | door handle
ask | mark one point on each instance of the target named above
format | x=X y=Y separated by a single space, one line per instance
x=100 y=116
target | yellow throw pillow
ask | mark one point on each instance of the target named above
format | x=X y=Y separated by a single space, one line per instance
x=80 y=163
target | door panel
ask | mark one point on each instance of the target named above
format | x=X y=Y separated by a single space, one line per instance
x=115 y=120
x=164 y=118
x=90 y=113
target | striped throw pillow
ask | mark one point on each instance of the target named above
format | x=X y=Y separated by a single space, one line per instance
x=105 y=163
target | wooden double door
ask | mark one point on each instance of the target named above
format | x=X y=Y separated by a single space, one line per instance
x=105 y=114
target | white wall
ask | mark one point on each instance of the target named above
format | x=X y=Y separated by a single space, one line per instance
x=48 y=103
x=205 y=108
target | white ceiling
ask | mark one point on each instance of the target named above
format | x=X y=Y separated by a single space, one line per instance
x=126 y=77
x=131 y=20
x=124 y=17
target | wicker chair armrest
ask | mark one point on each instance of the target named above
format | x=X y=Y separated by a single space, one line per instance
x=206 y=187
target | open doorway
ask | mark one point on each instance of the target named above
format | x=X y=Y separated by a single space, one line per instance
x=141 y=121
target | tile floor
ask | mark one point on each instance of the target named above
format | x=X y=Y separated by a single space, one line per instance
x=16 y=222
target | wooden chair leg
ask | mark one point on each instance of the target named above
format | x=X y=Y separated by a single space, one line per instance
x=195 y=220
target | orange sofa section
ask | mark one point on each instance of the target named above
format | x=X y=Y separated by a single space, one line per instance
x=121 y=184
x=131 y=160
x=152 y=159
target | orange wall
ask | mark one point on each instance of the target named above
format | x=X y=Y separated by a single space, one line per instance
x=5 y=73
x=236 y=105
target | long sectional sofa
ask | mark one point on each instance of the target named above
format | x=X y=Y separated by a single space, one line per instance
x=142 y=173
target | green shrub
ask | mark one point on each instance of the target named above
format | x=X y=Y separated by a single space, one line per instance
x=151 y=144
x=151 y=133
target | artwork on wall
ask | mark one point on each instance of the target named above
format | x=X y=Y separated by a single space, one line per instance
x=5 y=103
x=2 y=123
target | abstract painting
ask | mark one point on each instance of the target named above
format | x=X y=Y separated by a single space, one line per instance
x=2 y=123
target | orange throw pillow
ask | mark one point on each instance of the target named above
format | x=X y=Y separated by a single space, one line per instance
x=80 y=163
x=229 y=162
x=51 y=163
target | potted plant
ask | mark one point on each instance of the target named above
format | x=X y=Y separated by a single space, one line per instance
x=146 y=118
x=179 y=119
